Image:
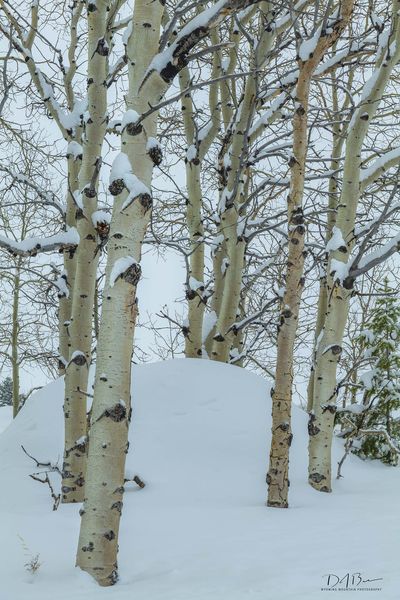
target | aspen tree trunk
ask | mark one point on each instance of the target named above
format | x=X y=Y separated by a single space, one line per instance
x=238 y=339
x=86 y=260
x=97 y=550
x=193 y=340
x=65 y=301
x=337 y=145
x=236 y=246
x=219 y=257
x=14 y=341
x=73 y=167
x=231 y=199
x=277 y=476
x=340 y=288
x=227 y=93
x=197 y=149
x=132 y=171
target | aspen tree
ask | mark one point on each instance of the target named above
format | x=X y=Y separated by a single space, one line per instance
x=150 y=75
x=233 y=181
x=229 y=256
x=14 y=339
x=310 y=53
x=74 y=158
x=65 y=299
x=69 y=127
x=80 y=329
x=338 y=140
x=198 y=146
x=339 y=283
x=227 y=92
x=75 y=331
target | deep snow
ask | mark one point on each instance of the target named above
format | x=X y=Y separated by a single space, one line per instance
x=199 y=529
x=5 y=417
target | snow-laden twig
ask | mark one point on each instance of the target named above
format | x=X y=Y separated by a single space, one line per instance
x=35 y=245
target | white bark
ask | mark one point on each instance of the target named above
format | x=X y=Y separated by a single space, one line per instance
x=199 y=147
x=338 y=140
x=86 y=260
x=98 y=541
x=277 y=477
x=232 y=197
x=65 y=300
x=14 y=339
x=339 y=290
x=97 y=551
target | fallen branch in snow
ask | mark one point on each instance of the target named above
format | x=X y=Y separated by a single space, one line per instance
x=50 y=466
x=348 y=446
x=56 y=497
x=136 y=479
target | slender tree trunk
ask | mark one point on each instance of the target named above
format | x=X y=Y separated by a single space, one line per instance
x=228 y=98
x=219 y=258
x=80 y=329
x=277 y=477
x=195 y=286
x=236 y=246
x=338 y=135
x=97 y=550
x=14 y=341
x=233 y=184
x=238 y=338
x=198 y=147
x=339 y=288
x=194 y=339
x=65 y=300
x=323 y=294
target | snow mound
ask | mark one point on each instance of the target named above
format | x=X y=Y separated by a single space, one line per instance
x=5 y=417
x=199 y=529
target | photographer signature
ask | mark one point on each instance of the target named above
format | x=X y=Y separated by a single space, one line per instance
x=348 y=581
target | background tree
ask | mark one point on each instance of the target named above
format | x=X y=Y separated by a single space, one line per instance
x=6 y=392
x=371 y=426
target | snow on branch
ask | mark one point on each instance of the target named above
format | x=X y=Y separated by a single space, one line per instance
x=290 y=16
x=355 y=48
x=66 y=120
x=47 y=198
x=371 y=260
x=173 y=58
x=34 y=245
x=239 y=325
x=122 y=178
x=336 y=241
x=347 y=272
x=126 y=268
x=379 y=167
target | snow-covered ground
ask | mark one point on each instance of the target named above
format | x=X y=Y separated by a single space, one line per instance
x=199 y=530
x=5 y=417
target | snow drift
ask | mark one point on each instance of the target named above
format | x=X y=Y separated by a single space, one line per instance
x=199 y=529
